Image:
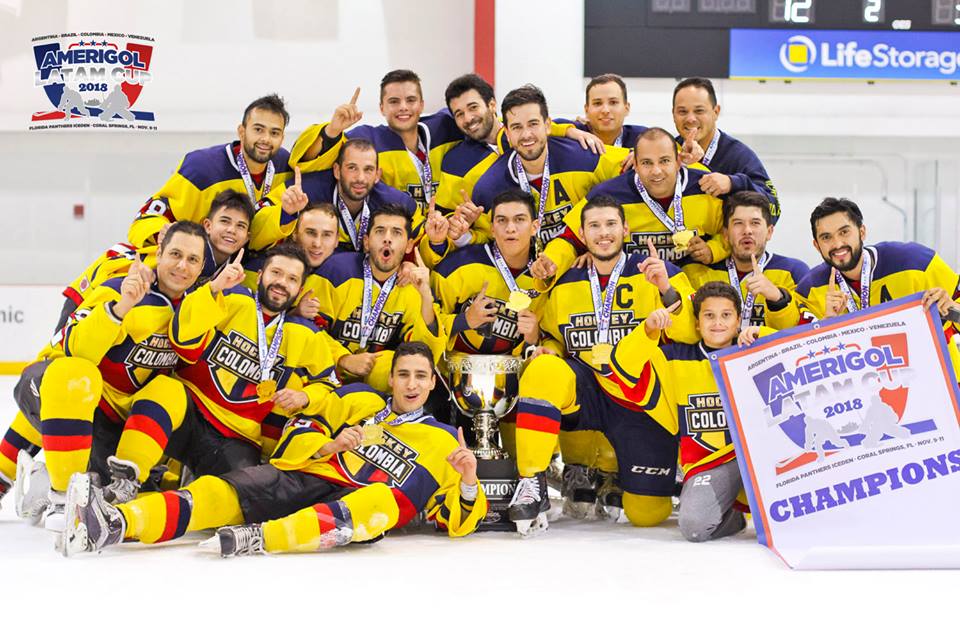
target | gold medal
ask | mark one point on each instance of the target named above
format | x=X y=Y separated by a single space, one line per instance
x=265 y=390
x=600 y=353
x=518 y=301
x=682 y=238
x=372 y=434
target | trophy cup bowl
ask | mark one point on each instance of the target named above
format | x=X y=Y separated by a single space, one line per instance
x=484 y=388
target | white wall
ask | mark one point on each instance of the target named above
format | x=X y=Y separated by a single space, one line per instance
x=892 y=140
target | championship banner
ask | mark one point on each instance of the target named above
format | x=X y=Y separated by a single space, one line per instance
x=848 y=440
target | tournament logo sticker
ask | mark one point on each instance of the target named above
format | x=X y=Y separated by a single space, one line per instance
x=798 y=53
x=93 y=80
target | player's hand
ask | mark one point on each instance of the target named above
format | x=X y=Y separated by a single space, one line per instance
x=941 y=298
x=543 y=268
x=660 y=319
x=628 y=163
x=463 y=461
x=309 y=306
x=691 y=152
x=482 y=310
x=294 y=199
x=134 y=287
x=419 y=275
x=586 y=139
x=760 y=285
x=290 y=400
x=348 y=439
x=457 y=226
x=404 y=274
x=344 y=116
x=231 y=275
x=836 y=300
x=699 y=250
x=467 y=209
x=716 y=184
x=437 y=225
x=359 y=364
x=748 y=336
x=583 y=261
x=528 y=325
x=654 y=269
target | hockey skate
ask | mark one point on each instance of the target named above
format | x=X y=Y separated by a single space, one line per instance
x=53 y=514
x=92 y=522
x=579 y=496
x=5 y=486
x=30 y=489
x=609 y=496
x=529 y=506
x=238 y=540
x=124 y=485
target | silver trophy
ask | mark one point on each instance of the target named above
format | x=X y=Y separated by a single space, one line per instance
x=484 y=388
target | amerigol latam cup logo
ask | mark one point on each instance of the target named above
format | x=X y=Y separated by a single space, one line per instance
x=93 y=80
x=843 y=395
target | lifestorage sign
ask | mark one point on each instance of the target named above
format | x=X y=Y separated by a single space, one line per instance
x=848 y=441
x=866 y=55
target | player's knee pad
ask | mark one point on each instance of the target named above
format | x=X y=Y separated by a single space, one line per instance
x=167 y=392
x=548 y=377
x=698 y=519
x=70 y=388
x=646 y=511
x=579 y=447
x=215 y=503
x=373 y=510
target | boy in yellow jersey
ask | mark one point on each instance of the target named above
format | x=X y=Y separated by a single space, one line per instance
x=766 y=280
x=854 y=276
x=663 y=203
x=566 y=385
x=86 y=381
x=250 y=165
x=732 y=166
x=366 y=465
x=709 y=504
x=558 y=171
x=243 y=359
x=228 y=228
x=370 y=306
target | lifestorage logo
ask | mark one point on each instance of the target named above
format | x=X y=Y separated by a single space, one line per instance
x=905 y=55
x=92 y=80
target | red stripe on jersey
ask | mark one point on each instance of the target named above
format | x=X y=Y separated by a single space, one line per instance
x=532 y=422
x=216 y=424
x=116 y=375
x=378 y=476
x=67 y=443
x=149 y=427
x=634 y=392
x=104 y=406
x=709 y=465
x=74 y=295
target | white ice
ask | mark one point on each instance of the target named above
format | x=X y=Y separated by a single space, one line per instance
x=578 y=580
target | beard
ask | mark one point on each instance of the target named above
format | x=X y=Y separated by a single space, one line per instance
x=485 y=128
x=610 y=255
x=855 y=254
x=267 y=303
x=256 y=154
x=346 y=190
x=535 y=153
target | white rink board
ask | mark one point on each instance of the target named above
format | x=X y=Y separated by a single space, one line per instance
x=28 y=316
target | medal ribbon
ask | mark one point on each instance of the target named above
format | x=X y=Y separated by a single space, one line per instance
x=370 y=311
x=711 y=148
x=746 y=304
x=674 y=224
x=348 y=222
x=267 y=356
x=248 y=179
x=866 y=276
x=410 y=416
x=424 y=170
x=544 y=182
x=504 y=270
x=603 y=307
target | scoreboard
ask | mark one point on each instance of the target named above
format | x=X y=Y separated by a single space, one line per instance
x=679 y=38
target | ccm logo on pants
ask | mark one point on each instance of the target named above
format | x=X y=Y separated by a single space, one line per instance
x=650 y=471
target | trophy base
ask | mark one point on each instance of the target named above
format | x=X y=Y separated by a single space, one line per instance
x=489 y=453
x=499 y=481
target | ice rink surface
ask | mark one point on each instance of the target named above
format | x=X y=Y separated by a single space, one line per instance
x=578 y=580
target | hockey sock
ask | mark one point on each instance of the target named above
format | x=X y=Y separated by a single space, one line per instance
x=69 y=393
x=20 y=435
x=158 y=409
x=207 y=503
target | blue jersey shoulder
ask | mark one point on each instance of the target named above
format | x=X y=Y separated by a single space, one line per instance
x=470 y=254
x=341 y=267
x=459 y=160
x=901 y=256
x=683 y=351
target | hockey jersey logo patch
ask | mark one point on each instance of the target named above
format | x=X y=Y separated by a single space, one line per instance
x=581 y=332
x=233 y=358
x=393 y=458
x=703 y=420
